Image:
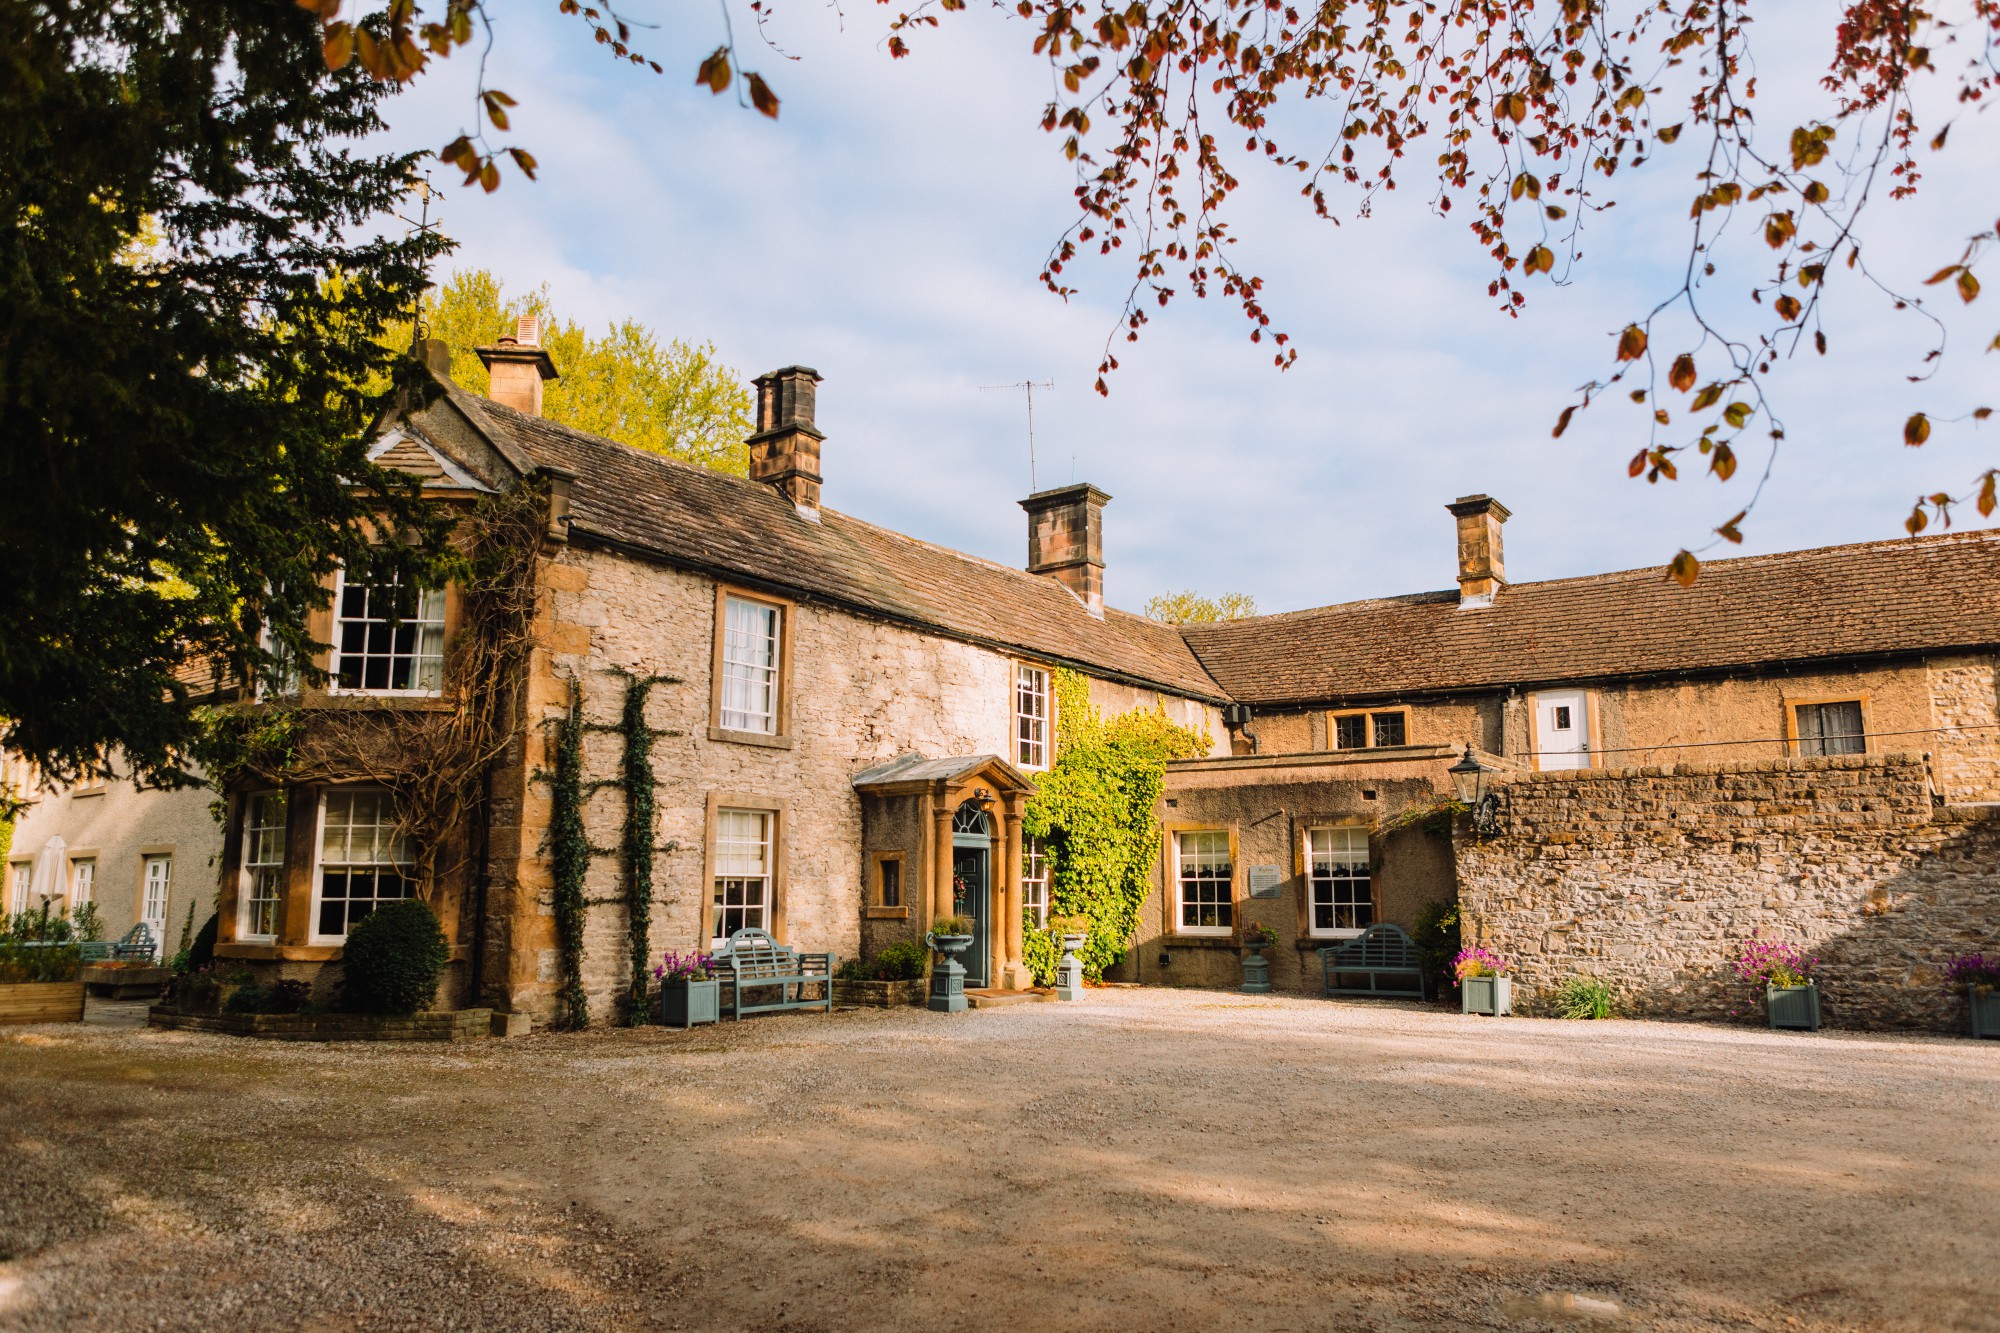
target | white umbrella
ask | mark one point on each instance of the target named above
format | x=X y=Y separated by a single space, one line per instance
x=49 y=882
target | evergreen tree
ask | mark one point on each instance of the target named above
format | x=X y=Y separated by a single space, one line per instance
x=194 y=272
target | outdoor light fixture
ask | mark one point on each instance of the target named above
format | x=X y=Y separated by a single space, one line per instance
x=982 y=798
x=1469 y=776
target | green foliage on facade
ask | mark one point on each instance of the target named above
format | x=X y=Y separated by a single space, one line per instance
x=1095 y=814
x=569 y=855
x=1436 y=937
x=638 y=841
x=394 y=958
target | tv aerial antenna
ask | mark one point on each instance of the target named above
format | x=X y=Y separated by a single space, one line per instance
x=1030 y=386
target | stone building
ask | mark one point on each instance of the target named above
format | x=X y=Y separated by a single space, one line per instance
x=843 y=724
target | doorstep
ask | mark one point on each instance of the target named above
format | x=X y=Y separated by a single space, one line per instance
x=993 y=998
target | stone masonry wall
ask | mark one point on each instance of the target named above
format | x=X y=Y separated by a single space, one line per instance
x=1653 y=878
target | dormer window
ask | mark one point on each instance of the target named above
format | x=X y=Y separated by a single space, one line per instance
x=387 y=638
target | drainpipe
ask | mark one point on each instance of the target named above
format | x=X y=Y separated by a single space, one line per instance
x=1237 y=717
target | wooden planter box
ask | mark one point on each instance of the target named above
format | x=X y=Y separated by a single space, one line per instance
x=124 y=983
x=878 y=994
x=437 y=1025
x=1985 y=1013
x=1493 y=996
x=686 y=1003
x=1795 y=1008
x=41 y=1002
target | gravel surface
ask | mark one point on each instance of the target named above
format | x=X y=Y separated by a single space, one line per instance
x=1142 y=1160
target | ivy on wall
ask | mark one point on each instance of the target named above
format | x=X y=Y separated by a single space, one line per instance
x=1095 y=814
x=569 y=855
x=637 y=844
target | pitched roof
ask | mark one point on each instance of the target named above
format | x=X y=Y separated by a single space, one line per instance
x=707 y=520
x=1924 y=594
x=917 y=768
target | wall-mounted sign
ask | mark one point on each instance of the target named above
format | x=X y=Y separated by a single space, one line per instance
x=1266 y=881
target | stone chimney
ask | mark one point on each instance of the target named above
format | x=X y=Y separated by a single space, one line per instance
x=785 y=449
x=1482 y=573
x=516 y=367
x=1066 y=540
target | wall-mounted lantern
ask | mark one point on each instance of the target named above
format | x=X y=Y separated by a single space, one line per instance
x=1470 y=777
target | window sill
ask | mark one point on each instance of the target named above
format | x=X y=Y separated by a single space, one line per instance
x=886 y=913
x=1199 y=942
x=291 y=953
x=750 y=738
x=1308 y=943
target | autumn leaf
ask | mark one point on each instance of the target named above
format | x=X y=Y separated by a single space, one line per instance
x=1968 y=286
x=1708 y=397
x=1685 y=569
x=1637 y=465
x=1916 y=430
x=1917 y=521
x=1987 y=497
x=762 y=97
x=1682 y=374
x=1631 y=343
x=1736 y=414
x=1730 y=531
x=1789 y=307
x=339 y=45
x=1562 y=422
x=714 y=71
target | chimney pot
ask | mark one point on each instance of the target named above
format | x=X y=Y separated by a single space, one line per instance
x=1066 y=540
x=785 y=449
x=1482 y=572
x=516 y=367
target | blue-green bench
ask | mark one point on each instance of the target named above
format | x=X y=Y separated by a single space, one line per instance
x=1383 y=955
x=754 y=962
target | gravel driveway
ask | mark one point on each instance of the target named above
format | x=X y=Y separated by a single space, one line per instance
x=1142 y=1160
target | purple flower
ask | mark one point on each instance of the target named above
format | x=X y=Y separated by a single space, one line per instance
x=1779 y=963
x=1479 y=962
x=1972 y=971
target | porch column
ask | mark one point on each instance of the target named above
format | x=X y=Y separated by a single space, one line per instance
x=941 y=812
x=1014 y=974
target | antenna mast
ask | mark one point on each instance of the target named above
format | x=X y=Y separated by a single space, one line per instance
x=1030 y=386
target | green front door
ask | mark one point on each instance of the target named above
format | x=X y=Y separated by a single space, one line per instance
x=970 y=878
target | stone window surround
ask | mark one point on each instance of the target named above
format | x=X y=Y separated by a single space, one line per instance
x=781 y=737
x=1302 y=867
x=320 y=797
x=446 y=629
x=1793 y=702
x=780 y=810
x=1014 y=714
x=876 y=909
x=1170 y=863
x=1332 y=725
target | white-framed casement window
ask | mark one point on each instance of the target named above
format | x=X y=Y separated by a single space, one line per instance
x=752 y=633
x=1031 y=716
x=1205 y=883
x=1034 y=884
x=1362 y=731
x=262 y=887
x=1830 y=727
x=743 y=858
x=283 y=682
x=387 y=638
x=82 y=881
x=362 y=861
x=1342 y=899
x=156 y=886
x=21 y=881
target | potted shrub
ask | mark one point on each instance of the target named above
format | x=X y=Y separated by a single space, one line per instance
x=40 y=961
x=1256 y=968
x=690 y=992
x=1074 y=932
x=1783 y=972
x=1483 y=984
x=1977 y=977
x=950 y=935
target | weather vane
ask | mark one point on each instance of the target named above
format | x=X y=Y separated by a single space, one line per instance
x=422 y=225
x=1030 y=386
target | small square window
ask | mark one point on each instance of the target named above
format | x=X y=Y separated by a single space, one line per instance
x=889 y=882
x=1388 y=728
x=1350 y=732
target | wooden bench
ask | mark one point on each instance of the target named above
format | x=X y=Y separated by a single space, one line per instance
x=135 y=944
x=1380 y=953
x=753 y=961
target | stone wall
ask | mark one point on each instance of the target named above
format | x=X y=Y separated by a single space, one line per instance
x=1653 y=878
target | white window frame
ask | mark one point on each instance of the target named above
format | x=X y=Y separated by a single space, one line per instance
x=1321 y=873
x=744 y=674
x=421 y=619
x=82 y=881
x=163 y=862
x=1034 y=716
x=320 y=863
x=289 y=679
x=1034 y=886
x=21 y=886
x=257 y=857
x=719 y=910
x=1183 y=881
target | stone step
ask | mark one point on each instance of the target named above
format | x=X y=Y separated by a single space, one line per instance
x=994 y=998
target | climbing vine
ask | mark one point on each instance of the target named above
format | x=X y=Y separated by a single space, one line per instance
x=569 y=854
x=638 y=840
x=1095 y=815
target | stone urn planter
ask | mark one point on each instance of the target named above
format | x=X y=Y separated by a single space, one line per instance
x=1985 y=1005
x=1793 y=1007
x=684 y=1003
x=948 y=977
x=1256 y=967
x=1069 y=972
x=1492 y=996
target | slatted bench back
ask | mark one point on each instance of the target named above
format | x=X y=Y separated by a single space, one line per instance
x=1383 y=945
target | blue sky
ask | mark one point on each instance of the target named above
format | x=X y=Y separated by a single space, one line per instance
x=889 y=227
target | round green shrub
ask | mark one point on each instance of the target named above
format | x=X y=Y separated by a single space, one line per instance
x=394 y=959
x=901 y=962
